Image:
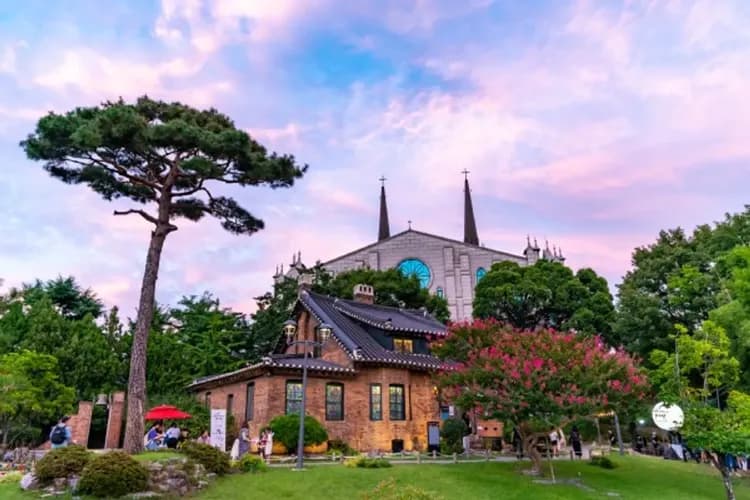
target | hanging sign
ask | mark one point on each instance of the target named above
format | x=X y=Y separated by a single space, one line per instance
x=667 y=417
x=219 y=429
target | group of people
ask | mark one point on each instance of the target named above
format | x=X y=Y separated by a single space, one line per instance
x=557 y=442
x=244 y=443
x=172 y=438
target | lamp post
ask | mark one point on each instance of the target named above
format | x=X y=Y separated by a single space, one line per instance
x=324 y=333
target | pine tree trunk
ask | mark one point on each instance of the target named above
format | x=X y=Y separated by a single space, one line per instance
x=134 y=428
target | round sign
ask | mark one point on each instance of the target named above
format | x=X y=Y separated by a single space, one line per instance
x=667 y=417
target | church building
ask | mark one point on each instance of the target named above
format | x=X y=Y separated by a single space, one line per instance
x=448 y=267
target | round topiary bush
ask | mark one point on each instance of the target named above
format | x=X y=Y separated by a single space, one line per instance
x=113 y=475
x=286 y=430
x=213 y=459
x=452 y=434
x=62 y=463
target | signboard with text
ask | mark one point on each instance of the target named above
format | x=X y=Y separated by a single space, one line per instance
x=667 y=417
x=219 y=429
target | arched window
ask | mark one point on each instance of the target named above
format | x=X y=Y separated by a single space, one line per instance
x=415 y=267
x=439 y=292
x=480 y=273
x=334 y=401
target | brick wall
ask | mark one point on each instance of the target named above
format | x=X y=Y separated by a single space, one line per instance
x=80 y=423
x=115 y=420
x=356 y=429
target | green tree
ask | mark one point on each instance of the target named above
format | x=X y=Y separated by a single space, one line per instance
x=66 y=294
x=163 y=155
x=31 y=391
x=545 y=294
x=720 y=433
x=676 y=280
x=391 y=287
x=700 y=367
x=273 y=309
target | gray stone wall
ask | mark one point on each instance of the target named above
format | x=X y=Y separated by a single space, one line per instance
x=453 y=265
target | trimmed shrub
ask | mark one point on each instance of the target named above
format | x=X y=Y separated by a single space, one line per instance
x=286 y=431
x=13 y=477
x=62 y=462
x=363 y=462
x=212 y=459
x=252 y=464
x=603 y=462
x=452 y=434
x=389 y=490
x=112 y=475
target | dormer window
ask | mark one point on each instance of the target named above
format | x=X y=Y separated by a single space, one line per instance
x=403 y=345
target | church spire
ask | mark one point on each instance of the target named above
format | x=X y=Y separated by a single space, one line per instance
x=384 y=229
x=470 y=225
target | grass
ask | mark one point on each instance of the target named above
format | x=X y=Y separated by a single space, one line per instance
x=635 y=478
x=157 y=456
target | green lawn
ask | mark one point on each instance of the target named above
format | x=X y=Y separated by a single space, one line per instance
x=635 y=478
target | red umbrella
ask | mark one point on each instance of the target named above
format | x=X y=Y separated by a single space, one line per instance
x=166 y=412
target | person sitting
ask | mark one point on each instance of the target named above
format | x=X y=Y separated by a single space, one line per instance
x=172 y=436
x=154 y=437
x=204 y=438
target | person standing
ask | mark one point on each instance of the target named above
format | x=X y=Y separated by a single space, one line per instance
x=61 y=435
x=554 y=450
x=575 y=441
x=244 y=440
x=269 y=444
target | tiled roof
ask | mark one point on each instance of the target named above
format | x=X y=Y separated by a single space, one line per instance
x=283 y=361
x=354 y=339
x=401 y=320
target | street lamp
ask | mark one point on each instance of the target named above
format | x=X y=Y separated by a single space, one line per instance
x=324 y=333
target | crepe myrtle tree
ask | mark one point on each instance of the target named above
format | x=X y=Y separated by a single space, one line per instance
x=166 y=158
x=535 y=379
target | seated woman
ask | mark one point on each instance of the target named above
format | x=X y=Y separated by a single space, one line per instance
x=154 y=437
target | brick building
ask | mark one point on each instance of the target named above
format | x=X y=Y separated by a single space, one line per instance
x=369 y=385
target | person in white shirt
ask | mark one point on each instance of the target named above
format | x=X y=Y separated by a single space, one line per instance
x=172 y=436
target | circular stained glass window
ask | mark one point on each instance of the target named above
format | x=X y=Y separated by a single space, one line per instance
x=480 y=273
x=415 y=267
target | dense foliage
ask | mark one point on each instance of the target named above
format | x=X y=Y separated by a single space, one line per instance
x=113 y=475
x=213 y=459
x=452 y=435
x=251 y=463
x=535 y=379
x=30 y=392
x=546 y=294
x=167 y=156
x=677 y=280
x=286 y=431
x=62 y=463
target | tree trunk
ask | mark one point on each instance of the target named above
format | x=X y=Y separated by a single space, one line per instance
x=720 y=463
x=137 y=380
x=533 y=452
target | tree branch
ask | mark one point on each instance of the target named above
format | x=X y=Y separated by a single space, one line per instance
x=143 y=214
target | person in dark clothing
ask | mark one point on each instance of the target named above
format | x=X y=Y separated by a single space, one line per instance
x=517 y=443
x=575 y=441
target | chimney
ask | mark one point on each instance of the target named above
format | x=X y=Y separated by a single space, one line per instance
x=364 y=294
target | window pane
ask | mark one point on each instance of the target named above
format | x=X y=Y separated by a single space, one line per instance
x=230 y=404
x=293 y=397
x=250 y=401
x=396 y=402
x=334 y=402
x=403 y=345
x=376 y=402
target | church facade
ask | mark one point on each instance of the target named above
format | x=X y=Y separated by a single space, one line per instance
x=447 y=267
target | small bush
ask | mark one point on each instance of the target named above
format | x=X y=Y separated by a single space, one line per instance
x=452 y=435
x=252 y=464
x=286 y=431
x=603 y=462
x=13 y=477
x=389 y=490
x=62 y=462
x=113 y=474
x=340 y=447
x=213 y=459
x=367 y=463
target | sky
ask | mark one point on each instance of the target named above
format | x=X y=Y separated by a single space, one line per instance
x=590 y=124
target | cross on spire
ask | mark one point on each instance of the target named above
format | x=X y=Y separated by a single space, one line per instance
x=384 y=228
x=466 y=173
x=382 y=180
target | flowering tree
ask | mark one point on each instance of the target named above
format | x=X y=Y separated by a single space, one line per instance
x=535 y=379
